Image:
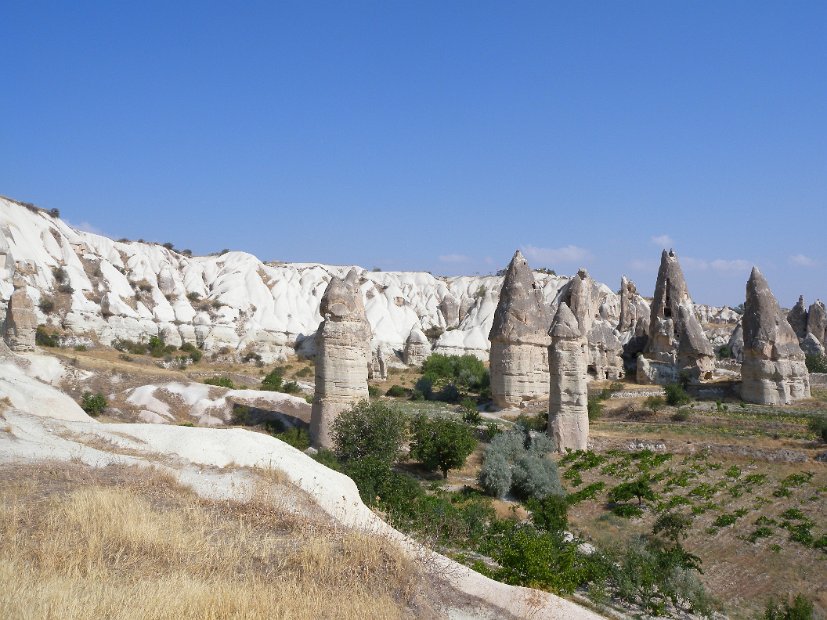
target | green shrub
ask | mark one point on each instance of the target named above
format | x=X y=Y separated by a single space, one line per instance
x=588 y=492
x=369 y=429
x=676 y=395
x=157 y=347
x=595 y=409
x=59 y=274
x=470 y=413
x=43 y=338
x=681 y=415
x=535 y=558
x=296 y=437
x=492 y=429
x=466 y=371
x=291 y=387
x=396 y=391
x=817 y=426
x=274 y=380
x=93 y=404
x=816 y=363
x=800 y=609
x=654 y=403
x=549 y=513
x=517 y=457
x=441 y=443
x=225 y=382
x=46 y=304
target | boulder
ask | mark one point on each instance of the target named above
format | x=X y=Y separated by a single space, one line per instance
x=568 y=415
x=773 y=371
x=342 y=356
x=449 y=307
x=519 y=338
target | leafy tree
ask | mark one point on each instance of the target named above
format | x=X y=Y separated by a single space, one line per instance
x=441 y=443
x=369 y=429
x=640 y=489
x=672 y=525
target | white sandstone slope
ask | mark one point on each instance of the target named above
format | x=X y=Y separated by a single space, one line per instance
x=40 y=424
x=133 y=290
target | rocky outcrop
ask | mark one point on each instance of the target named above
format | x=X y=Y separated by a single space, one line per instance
x=568 y=416
x=773 y=371
x=797 y=318
x=817 y=321
x=417 y=347
x=343 y=354
x=736 y=343
x=378 y=368
x=449 y=307
x=677 y=344
x=20 y=326
x=579 y=299
x=519 y=338
x=605 y=351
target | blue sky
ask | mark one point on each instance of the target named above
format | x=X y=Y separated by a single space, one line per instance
x=436 y=136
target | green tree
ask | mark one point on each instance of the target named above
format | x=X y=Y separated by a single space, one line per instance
x=441 y=443
x=369 y=429
x=640 y=489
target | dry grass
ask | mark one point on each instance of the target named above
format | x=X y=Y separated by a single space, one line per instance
x=127 y=544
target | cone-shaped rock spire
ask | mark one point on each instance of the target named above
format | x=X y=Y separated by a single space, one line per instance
x=773 y=372
x=677 y=344
x=519 y=338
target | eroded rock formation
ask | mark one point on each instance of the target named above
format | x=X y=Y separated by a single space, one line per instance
x=677 y=344
x=343 y=354
x=519 y=338
x=798 y=318
x=605 y=351
x=20 y=326
x=417 y=347
x=568 y=416
x=773 y=371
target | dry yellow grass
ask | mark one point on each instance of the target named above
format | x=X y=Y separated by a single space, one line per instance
x=132 y=547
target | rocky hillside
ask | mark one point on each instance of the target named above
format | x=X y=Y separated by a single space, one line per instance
x=93 y=287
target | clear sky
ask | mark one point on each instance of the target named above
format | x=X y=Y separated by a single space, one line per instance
x=434 y=136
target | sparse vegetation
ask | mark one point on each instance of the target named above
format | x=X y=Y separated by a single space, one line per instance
x=93 y=404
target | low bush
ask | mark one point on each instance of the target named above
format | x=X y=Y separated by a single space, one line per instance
x=676 y=395
x=46 y=304
x=681 y=415
x=654 y=403
x=819 y=427
x=43 y=338
x=799 y=609
x=93 y=404
x=396 y=391
x=225 y=382
x=816 y=363
x=516 y=462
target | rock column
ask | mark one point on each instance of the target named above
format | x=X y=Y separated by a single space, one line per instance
x=20 y=325
x=343 y=354
x=568 y=415
x=773 y=372
x=519 y=339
